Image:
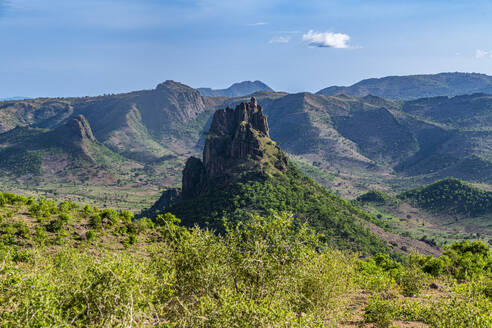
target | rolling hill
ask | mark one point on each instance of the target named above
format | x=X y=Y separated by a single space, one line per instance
x=451 y=196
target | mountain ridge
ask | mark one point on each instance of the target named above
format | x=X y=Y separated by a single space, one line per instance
x=238 y=89
x=408 y=87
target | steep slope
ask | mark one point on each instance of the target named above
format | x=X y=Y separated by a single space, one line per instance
x=70 y=163
x=144 y=125
x=343 y=131
x=243 y=171
x=236 y=90
x=464 y=112
x=416 y=86
x=34 y=151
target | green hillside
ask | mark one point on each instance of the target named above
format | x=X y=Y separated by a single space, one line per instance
x=451 y=196
x=341 y=224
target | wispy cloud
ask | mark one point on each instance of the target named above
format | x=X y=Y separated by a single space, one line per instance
x=483 y=53
x=288 y=32
x=327 y=39
x=258 y=24
x=280 y=39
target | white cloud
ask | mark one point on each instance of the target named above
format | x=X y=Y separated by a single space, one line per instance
x=483 y=53
x=280 y=39
x=258 y=24
x=326 y=39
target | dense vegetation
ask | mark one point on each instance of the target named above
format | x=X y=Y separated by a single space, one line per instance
x=451 y=196
x=72 y=266
x=376 y=196
x=335 y=218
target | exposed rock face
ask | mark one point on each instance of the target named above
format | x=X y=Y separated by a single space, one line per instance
x=80 y=128
x=74 y=136
x=168 y=198
x=238 y=143
x=194 y=183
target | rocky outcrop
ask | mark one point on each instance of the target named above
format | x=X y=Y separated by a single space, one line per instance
x=168 y=198
x=194 y=183
x=80 y=129
x=73 y=137
x=238 y=143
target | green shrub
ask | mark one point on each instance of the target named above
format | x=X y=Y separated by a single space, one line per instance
x=132 y=239
x=40 y=235
x=126 y=216
x=55 y=225
x=7 y=234
x=68 y=206
x=411 y=281
x=465 y=260
x=13 y=199
x=90 y=235
x=95 y=221
x=22 y=230
x=43 y=208
x=109 y=216
x=379 y=311
x=22 y=255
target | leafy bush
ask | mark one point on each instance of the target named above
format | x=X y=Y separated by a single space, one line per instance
x=126 y=216
x=95 y=221
x=43 y=208
x=90 y=235
x=261 y=273
x=411 y=280
x=380 y=312
x=109 y=216
x=465 y=260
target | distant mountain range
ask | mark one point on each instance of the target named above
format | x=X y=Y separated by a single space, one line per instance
x=350 y=144
x=416 y=86
x=14 y=98
x=236 y=90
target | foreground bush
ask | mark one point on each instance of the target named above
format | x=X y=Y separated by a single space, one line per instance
x=264 y=273
x=69 y=266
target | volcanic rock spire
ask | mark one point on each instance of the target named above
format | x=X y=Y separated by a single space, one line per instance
x=238 y=144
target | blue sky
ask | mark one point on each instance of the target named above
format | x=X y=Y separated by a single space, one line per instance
x=91 y=47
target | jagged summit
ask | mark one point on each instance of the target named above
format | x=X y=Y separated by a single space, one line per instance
x=238 y=144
